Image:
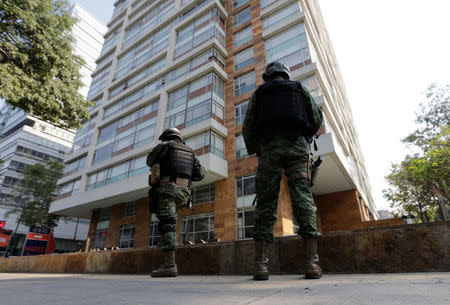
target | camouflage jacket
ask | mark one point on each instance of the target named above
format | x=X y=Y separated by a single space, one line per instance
x=160 y=151
x=249 y=132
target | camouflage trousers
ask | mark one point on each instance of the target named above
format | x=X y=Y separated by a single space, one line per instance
x=167 y=216
x=292 y=156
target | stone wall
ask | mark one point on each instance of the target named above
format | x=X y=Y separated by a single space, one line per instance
x=404 y=248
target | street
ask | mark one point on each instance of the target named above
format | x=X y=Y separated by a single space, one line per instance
x=398 y=289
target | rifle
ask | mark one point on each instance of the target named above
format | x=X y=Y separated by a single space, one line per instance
x=153 y=196
x=315 y=169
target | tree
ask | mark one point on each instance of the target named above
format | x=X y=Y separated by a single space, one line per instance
x=407 y=193
x=42 y=75
x=39 y=189
x=420 y=184
x=433 y=169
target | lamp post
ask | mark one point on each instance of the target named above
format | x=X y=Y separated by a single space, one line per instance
x=3 y=56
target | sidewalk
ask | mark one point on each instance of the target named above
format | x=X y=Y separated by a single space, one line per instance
x=81 y=289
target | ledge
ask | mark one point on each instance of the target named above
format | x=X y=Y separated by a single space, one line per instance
x=403 y=248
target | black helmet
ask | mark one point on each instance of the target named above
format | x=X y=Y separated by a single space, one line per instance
x=276 y=68
x=170 y=134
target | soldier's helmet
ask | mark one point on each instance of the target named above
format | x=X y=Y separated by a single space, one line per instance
x=276 y=68
x=170 y=134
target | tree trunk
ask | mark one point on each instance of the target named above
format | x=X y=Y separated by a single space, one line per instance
x=441 y=201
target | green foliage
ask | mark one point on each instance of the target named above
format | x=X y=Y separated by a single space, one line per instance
x=419 y=185
x=42 y=75
x=407 y=193
x=39 y=189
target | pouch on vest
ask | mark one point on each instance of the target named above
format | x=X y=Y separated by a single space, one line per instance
x=155 y=174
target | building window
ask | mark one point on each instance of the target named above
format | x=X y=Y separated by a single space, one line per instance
x=120 y=7
x=206 y=27
x=207 y=142
x=100 y=239
x=74 y=166
x=289 y=47
x=126 y=236
x=241 y=151
x=11 y=181
x=118 y=173
x=265 y=3
x=101 y=230
x=84 y=135
x=203 y=194
x=246 y=190
x=197 y=228
x=127 y=133
x=130 y=209
x=244 y=84
x=246 y=223
x=110 y=41
x=157 y=15
x=128 y=83
x=171 y=76
x=155 y=235
x=242 y=17
x=243 y=37
x=239 y=3
x=240 y=112
x=34 y=154
x=17 y=166
x=98 y=83
x=105 y=60
x=199 y=100
x=142 y=52
x=68 y=189
x=281 y=15
x=244 y=58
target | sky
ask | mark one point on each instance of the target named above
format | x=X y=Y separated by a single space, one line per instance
x=388 y=53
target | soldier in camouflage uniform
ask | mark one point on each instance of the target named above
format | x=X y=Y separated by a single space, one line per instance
x=178 y=166
x=274 y=129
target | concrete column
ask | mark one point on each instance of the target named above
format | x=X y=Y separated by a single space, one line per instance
x=114 y=226
x=143 y=219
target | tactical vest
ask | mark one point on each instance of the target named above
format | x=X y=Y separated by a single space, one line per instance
x=280 y=110
x=178 y=162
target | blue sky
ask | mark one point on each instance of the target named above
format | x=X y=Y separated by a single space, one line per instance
x=102 y=9
x=388 y=52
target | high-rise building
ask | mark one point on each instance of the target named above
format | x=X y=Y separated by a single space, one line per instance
x=88 y=33
x=194 y=65
x=27 y=140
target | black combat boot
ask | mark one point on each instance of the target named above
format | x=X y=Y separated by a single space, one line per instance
x=312 y=270
x=168 y=268
x=260 y=269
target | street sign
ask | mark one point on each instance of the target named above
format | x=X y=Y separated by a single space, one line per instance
x=4 y=238
x=36 y=242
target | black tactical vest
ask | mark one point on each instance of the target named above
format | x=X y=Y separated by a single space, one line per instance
x=280 y=111
x=178 y=162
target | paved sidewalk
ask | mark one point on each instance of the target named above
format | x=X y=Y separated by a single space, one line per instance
x=81 y=289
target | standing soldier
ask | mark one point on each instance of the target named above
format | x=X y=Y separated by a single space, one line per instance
x=177 y=165
x=281 y=117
